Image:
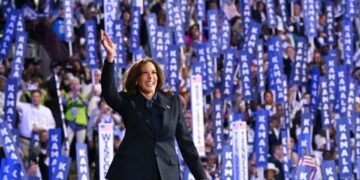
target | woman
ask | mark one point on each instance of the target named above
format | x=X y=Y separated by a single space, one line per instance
x=152 y=119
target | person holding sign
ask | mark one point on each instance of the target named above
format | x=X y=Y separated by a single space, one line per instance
x=153 y=120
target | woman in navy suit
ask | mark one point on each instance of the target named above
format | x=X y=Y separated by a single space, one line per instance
x=153 y=121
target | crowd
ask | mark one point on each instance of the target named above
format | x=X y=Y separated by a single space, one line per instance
x=83 y=108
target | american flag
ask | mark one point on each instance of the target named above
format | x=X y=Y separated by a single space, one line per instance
x=306 y=168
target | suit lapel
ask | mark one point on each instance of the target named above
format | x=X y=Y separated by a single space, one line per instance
x=165 y=104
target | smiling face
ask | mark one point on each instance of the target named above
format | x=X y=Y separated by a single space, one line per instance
x=147 y=80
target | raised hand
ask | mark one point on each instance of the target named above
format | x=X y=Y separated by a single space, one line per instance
x=108 y=45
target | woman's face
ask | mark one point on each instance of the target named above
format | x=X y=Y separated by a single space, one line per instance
x=147 y=81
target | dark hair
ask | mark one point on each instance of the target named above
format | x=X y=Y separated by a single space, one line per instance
x=134 y=73
x=36 y=91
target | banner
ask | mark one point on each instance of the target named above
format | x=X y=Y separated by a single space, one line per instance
x=228 y=74
x=138 y=54
x=8 y=34
x=325 y=106
x=210 y=68
x=187 y=174
x=10 y=101
x=270 y=14
x=20 y=25
x=342 y=89
x=55 y=142
x=68 y=20
x=240 y=160
x=120 y=48
x=184 y=6
x=212 y=18
x=62 y=168
x=357 y=136
x=19 y=55
x=201 y=58
x=170 y=13
x=315 y=74
x=135 y=28
x=91 y=46
x=7 y=168
x=260 y=86
x=296 y=73
x=285 y=144
x=331 y=63
x=160 y=45
x=82 y=162
x=287 y=122
x=227 y=167
x=6 y=8
x=261 y=138
x=197 y=113
x=246 y=16
x=225 y=34
x=275 y=73
x=344 y=151
x=350 y=9
x=310 y=18
x=283 y=12
x=251 y=38
x=328 y=169
x=246 y=76
x=304 y=141
x=351 y=102
x=218 y=119
x=306 y=168
x=151 y=26
x=347 y=40
x=329 y=27
x=34 y=142
x=168 y=41
x=110 y=7
x=179 y=28
x=173 y=69
x=10 y=150
x=106 y=148
x=200 y=10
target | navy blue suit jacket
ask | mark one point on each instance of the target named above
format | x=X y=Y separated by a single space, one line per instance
x=143 y=149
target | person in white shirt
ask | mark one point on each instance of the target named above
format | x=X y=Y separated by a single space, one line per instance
x=34 y=117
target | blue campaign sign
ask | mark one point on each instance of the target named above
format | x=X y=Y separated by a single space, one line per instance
x=325 y=105
x=179 y=28
x=91 y=45
x=351 y=101
x=347 y=39
x=246 y=16
x=6 y=7
x=200 y=10
x=212 y=17
x=330 y=25
x=184 y=10
x=135 y=28
x=285 y=146
x=270 y=13
x=62 y=168
x=10 y=149
x=201 y=57
x=283 y=11
x=342 y=84
x=331 y=63
x=10 y=101
x=328 y=169
x=218 y=124
x=296 y=74
x=138 y=54
x=276 y=73
x=262 y=137
x=68 y=21
x=173 y=69
x=225 y=34
x=120 y=48
x=228 y=75
x=20 y=52
x=244 y=62
x=350 y=9
x=210 y=67
x=82 y=161
x=310 y=18
x=7 y=167
x=315 y=74
x=227 y=171
x=252 y=36
x=160 y=45
x=8 y=34
x=169 y=4
x=20 y=25
x=357 y=136
x=55 y=142
x=151 y=25
x=260 y=86
x=344 y=150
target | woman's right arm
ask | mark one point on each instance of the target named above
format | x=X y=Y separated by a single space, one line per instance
x=109 y=91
